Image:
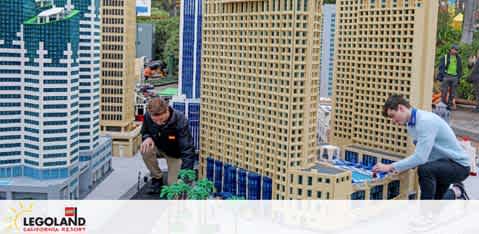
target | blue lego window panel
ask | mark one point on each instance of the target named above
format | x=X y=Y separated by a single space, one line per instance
x=179 y=106
x=369 y=161
x=230 y=179
x=242 y=179
x=358 y=195
x=218 y=176
x=254 y=186
x=351 y=156
x=7 y=172
x=227 y=185
x=267 y=191
x=194 y=122
x=386 y=161
x=210 y=169
x=377 y=192
x=394 y=189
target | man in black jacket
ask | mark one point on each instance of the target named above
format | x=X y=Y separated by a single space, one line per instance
x=165 y=132
x=474 y=78
x=450 y=72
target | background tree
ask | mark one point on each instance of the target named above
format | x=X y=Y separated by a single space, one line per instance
x=468 y=21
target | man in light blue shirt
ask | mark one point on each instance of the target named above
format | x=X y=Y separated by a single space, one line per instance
x=440 y=159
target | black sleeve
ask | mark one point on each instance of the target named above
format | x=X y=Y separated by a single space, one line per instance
x=145 y=130
x=185 y=141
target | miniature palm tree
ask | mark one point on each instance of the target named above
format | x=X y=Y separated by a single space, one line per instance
x=167 y=192
x=206 y=184
x=183 y=189
x=187 y=175
x=198 y=193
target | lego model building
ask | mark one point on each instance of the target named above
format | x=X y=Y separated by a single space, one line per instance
x=50 y=147
x=118 y=77
x=259 y=96
x=188 y=98
x=383 y=47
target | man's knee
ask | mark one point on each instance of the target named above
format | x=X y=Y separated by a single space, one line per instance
x=149 y=154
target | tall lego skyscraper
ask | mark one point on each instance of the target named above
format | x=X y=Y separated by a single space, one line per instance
x=89 y=69
x=327 y=50
x=117 y=75
x=259 y=93
x=41 y=117
x=382 y=47
x=188 y=99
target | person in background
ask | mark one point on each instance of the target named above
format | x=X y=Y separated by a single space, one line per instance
x=474 y=78
x=147 y=72
x=450 y=72
x=439 y=157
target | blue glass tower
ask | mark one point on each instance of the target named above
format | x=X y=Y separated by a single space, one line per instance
x=188 y=100
x=327 y=50
x=190 y=48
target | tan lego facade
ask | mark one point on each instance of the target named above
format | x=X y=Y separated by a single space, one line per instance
x=259 y=86
x=382 y=47
x=118 y=75
x=259 y=90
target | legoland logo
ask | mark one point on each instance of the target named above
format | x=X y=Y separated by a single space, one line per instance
x=22 y=221
x=15 y=216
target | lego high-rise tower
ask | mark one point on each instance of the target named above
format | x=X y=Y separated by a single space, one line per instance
x=117 y=75
x=382 y=47
x=259 y=87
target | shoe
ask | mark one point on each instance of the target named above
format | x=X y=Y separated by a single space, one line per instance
x=155 y=186
x=464 y=195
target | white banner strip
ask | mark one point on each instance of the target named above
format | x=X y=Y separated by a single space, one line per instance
x=207 y=217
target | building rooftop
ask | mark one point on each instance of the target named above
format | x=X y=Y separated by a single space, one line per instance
x=321 y=168
x=51 y=11
x=30 y=182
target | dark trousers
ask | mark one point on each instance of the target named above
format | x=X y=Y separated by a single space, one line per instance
x=448 y=82
x=435 y=178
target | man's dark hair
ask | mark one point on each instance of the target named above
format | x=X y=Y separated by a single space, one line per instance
x=157 y=106
x=393 y=102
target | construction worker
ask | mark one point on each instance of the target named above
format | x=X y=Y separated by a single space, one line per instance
x=439 y=157
x=450 y=72
x=165 y=133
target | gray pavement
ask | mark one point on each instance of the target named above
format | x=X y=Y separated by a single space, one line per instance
x=472 y=187
x=122 y=182
x=464 y=122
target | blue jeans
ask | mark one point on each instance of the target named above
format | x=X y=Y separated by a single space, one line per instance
x=435 y=177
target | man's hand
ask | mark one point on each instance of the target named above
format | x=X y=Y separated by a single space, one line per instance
x=147 y=145
x=379 y=167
